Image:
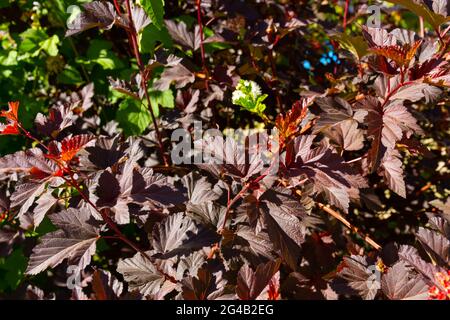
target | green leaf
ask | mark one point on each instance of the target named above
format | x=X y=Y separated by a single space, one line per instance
x=421 y=10
x=12 y=269
x=70 y=75
x=100 y=52
x=211 y=47
x=51 y=45
x=152 y=35
x=356 y=45
x=4 y=3
x=106 y=63
x=32 y=39
x=9 y=60
x=133 y=117
x=97 y=48
x=28 y=110
x=45 y=227
x=155 y=10
x=162 y=98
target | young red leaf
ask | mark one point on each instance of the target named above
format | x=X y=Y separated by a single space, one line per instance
x=289 y=124
x=68 y=148
x=71 y=146
x=12 y=118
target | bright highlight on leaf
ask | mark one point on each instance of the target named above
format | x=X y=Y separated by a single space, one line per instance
x=68 y=148
x=248 y=95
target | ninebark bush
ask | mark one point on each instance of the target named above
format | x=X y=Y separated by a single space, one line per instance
x=348 y=200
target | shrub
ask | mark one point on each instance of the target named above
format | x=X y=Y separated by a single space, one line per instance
x=345 y=197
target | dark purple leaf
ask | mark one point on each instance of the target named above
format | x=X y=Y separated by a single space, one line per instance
x=399 y=284
x=45 y=202
x=140 y=18
x=204 y=286
x=358 y=275
x=180 y=34
x=96 y=14
x=347 y=135
x=225 y=156
x=24 y=162
x=178 y=75
x=106 y=286
x=105 y=153
x=25 y=195
x=251 y=283
x=59 y=118
x=199 y=190
x=141 y=274
x=411 y=256
x=436 y=245
x=74 y=241
x=386 y=125
x=329 y=172
x=178 y=234
x=207 y=213
x=392 y=171
x=335 y=111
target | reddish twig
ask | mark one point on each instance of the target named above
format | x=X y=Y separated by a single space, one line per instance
x=394 y=91
x=72 y=182
x=202 y=46
x=347 y=5
x=144 y=77
x=111 y=224
x=28 y=135
x=231 y=204
x=444 y=33
x=341 y=219
x=117 y=6
x=346 y=223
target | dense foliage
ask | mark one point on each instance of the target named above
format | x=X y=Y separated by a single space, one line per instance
x=349 y=199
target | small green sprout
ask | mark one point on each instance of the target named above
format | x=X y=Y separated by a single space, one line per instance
x=248 y=95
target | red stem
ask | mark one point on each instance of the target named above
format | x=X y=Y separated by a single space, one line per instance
x=105 y=217
x=144 y=82
x=112 y=225
x=347 y=4
x=133 y=33
x=231 y=203
x=391 y=93
x=274 y=77
x=202 y=47
x=444 y=33
x=117 y=6
x=27 y=134
x=441 y=40
x=239 y=195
